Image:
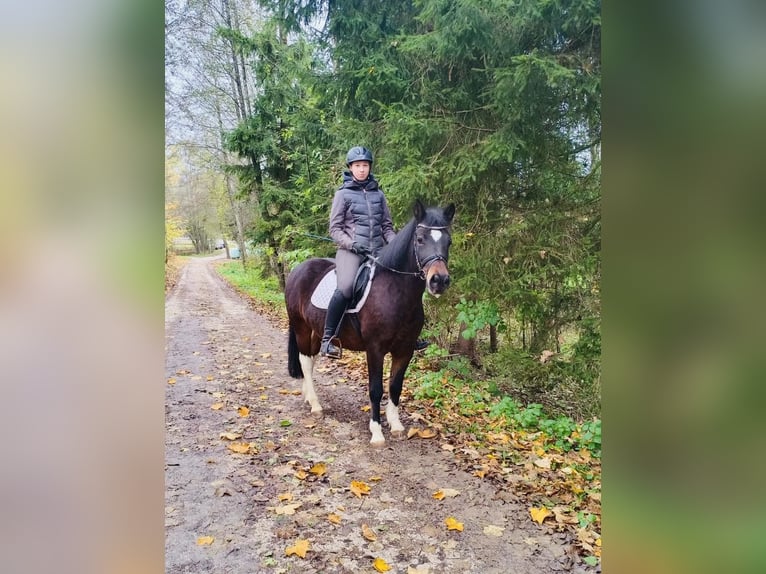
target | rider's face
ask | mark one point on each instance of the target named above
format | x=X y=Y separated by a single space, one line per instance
x=360 y=170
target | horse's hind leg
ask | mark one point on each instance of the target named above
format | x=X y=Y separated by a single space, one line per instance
x=309 y=394
x=398 y=368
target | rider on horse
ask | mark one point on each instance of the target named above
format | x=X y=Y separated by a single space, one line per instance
x=360 y=224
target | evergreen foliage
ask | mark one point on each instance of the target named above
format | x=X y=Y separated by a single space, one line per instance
x=491 y=104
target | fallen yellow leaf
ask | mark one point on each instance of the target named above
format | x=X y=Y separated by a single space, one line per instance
x=539 y=514
x=217 y=406
x=319 y=469
x=240 y=447
x=231 y=435
x=381 y=565
x=299 y=548
x=445 y=492
x=376 y=478
x=480 y=473
x=205 y=540
x=427 y=433
x=243 y=411
x=366 y=408
x=453 y=524
x=286 y=496
x=171 y=381
x=368 y=533
x=300 y=474
x=359 y=488
x=334 y=518
x=412 y=432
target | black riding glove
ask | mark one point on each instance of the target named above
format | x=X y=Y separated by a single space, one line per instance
x=361 y=249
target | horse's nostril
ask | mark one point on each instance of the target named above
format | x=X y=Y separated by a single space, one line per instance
x=446 y=281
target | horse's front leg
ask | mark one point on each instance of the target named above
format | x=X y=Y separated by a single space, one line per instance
x=399 y=366
x=375 y=371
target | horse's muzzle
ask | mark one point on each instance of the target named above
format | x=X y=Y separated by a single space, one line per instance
x=437 y=278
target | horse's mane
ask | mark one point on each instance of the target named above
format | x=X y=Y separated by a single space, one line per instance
x=395 y=254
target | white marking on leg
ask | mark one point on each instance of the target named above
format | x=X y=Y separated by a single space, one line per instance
x=392 y=416
x=377 y=434
x=309 y=394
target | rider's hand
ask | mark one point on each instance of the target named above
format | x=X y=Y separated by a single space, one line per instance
x=361 y=249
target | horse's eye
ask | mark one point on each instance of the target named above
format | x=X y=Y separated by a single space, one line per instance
x=420 y=240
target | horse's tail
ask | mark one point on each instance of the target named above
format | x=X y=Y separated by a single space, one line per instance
x=293 y=362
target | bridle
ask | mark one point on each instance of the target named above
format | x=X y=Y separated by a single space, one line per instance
x=430 y=259
x=421 y=264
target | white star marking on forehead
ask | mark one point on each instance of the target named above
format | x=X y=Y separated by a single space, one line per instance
x=436 y=234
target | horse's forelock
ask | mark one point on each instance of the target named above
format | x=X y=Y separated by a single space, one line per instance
x=436 y=217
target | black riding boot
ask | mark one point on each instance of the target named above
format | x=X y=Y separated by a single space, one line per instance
x=335 y=310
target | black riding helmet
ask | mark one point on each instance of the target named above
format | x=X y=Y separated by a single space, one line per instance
x=358 y=153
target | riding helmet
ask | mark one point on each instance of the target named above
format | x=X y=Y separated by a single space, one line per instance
x=358 y=153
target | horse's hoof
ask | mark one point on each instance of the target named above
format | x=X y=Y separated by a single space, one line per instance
x=397 y=434
x=317 y=415
x=377 y=443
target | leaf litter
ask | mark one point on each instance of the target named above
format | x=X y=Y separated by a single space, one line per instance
x=305 y=516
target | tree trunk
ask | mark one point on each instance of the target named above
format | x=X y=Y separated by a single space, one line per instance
x=233 y=202
x=235 y=61
x=493 y=339
x=465 y=347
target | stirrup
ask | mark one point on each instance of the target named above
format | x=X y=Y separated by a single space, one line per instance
x=327 y=349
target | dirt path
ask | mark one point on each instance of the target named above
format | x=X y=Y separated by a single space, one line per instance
x=220 y=351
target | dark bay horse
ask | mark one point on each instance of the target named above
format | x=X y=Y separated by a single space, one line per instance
x=390 y=320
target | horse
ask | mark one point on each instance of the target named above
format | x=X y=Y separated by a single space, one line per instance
x=390 y=320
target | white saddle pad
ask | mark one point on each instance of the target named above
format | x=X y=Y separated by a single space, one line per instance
x=321 y=296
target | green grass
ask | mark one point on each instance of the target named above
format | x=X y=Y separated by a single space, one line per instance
x=252 y=283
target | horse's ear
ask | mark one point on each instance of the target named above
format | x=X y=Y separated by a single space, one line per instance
x=449 y=212
x=419 y=210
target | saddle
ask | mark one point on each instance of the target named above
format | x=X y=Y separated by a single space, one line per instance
x=322 y=294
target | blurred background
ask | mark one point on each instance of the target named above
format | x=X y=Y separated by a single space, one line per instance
x=683 y=275
x=81 y=286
